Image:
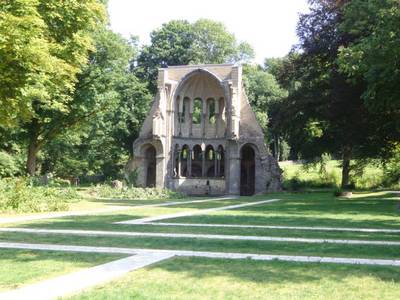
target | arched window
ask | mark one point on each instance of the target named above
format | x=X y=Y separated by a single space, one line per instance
x=197 y=110
x=220 y=161
x=184 y=161
x=211 y=111
x=197 y=170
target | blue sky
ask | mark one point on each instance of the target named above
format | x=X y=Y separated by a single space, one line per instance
x=268 y=25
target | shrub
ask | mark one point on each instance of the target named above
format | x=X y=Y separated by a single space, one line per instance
x=134 y=193
x=19 y=195
x=8 y=165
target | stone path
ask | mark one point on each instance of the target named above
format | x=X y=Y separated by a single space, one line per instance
x=77 y=281
x=199 y=236
x=196 y=212
x=52 y=215
x=222 y=255
x=369 y=230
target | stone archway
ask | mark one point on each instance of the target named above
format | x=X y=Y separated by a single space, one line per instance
x=151 y=171
x=247 y=171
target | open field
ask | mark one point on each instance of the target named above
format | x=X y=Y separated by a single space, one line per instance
x=298 y=225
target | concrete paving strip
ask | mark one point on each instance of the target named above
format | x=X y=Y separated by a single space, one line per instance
x=221 y=255
x=199 y=236
x=77 y=281
x=196 y=212
x=370 y=230
x=52 y=215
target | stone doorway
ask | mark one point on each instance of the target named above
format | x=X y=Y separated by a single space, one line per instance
x=150 y=155
x=247 y=171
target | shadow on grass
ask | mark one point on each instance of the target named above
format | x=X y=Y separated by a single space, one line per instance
x=274 y=271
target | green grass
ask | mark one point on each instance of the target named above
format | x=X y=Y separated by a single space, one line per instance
x=225 y=279
x=20 y=267
x=200 y=278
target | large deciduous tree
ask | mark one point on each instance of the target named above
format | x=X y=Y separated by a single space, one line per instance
x=44 y=46
x=179 y=42
x=326 y=112
x=109 y=105
x=265 y=94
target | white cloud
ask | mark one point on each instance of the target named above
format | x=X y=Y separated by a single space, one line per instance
x=268 y=25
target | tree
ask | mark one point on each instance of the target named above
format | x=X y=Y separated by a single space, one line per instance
x=42 y=47
x=41 y=77
x=374 y=57
x=179 y=42
x=374 y=53
x=120 y=102
x=325 y=112
x=265 y=95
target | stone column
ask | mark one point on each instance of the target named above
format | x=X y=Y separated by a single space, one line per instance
x=232 y=169
x=178 y=174
x=217 y=120
x=190 y=124
x=203 y=163
x=203 y=124
x=189 y=163
x=215 y=164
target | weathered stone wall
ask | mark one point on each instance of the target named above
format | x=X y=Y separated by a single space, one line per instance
x=199 y=186
x=235 y=126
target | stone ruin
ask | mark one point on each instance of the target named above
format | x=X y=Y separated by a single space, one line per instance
x=202 y=137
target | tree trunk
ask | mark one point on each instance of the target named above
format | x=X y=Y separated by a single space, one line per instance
x=347 y=152
x=33 y=150
x=276 y=147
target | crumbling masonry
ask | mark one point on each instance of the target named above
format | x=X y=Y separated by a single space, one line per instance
x=202 y=137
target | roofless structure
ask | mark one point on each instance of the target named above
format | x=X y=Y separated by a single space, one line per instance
x=202 y=137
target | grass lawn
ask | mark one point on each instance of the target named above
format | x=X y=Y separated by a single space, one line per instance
x=200 y=278
x=20 y=267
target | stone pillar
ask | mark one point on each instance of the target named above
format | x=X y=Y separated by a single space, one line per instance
x=160 y=171
x=232 y=169
x=203 y=124
x=215 y=164
x=189 y=163
x=203 y=163
x=179 y=164
x=190 y=124
x=217 y=120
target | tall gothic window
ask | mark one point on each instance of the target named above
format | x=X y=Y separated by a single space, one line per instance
x=197 y=110
x=211 y=111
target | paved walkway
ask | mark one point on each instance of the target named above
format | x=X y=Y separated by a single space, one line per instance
x=77 y=281
x=223 y=255
x=199 y=236
x=316 y=228
x=196 y=212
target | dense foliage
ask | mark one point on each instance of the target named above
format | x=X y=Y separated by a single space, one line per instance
x=21 y=195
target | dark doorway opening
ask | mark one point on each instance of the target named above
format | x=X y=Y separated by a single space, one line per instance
x=150 y=155
x=247 y=171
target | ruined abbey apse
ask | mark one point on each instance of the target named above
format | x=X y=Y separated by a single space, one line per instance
x=202 y=137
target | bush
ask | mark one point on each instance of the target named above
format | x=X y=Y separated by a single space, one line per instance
x=8 y=165
x=133 y=193
x=20 y=195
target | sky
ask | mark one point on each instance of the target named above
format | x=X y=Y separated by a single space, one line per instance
x=268 y=25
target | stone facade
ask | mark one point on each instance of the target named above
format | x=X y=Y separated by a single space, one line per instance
x=202 y=137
